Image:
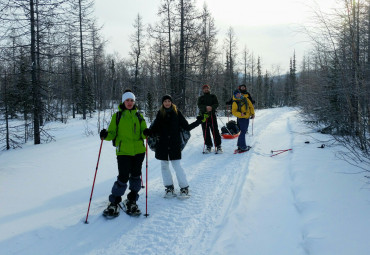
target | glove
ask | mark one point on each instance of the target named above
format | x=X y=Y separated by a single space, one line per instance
x=202 y=118
x=147 y=132
x=252 y=116
x=103 y=134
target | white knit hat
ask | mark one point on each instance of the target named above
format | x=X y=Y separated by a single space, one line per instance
x=128 y=95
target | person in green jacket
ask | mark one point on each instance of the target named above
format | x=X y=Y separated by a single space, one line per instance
x=130 y=151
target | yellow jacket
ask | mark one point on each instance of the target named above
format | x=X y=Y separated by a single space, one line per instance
x=245 y=105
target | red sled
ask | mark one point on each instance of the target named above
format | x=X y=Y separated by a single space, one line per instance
x=228 y=136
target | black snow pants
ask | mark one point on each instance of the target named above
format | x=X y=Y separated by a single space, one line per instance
x=129 y=170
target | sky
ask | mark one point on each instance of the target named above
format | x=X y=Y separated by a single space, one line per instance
x=267 y=28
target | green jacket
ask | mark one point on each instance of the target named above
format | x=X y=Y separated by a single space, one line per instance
x=207 y=100
x=129 y=136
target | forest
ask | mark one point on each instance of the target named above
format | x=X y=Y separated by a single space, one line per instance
x=54 y=67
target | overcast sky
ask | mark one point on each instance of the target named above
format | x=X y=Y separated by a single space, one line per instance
x=267 y=28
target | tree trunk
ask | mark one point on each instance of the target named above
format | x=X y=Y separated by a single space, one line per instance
x=38 y=68
x=6 y=113
x=182 y=83
x=84 y=96
x=172 y=64
x=35 y=85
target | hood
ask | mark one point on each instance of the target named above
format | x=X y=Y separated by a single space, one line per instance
x=241 y=98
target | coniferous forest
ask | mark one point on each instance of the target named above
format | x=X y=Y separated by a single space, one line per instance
x=54 y=67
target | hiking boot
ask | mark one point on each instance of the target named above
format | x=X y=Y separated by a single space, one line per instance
x=184 y=191
x=112 y=210
x=131 y=206
x=219 y=149
x=169 y=190
x=208 y=150
x=244 y=149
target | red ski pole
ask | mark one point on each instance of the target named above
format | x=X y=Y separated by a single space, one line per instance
x=146 y=182
x=279 y=152
x=92 y=189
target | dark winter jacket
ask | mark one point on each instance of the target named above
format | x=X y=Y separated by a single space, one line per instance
x=207 y=99
x=168 y=130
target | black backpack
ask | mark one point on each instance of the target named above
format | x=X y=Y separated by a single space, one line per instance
x=152 y=140
x=118 y=118
x=230 y=126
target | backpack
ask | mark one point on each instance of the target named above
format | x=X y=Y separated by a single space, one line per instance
x=230 y=126
x=184 y=136
x=118 y=118
x=233 y=127
x=152 y=140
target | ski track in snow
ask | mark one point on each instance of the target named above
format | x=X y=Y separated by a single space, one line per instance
x=230 y=193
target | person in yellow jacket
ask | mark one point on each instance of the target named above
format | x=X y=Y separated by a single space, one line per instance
x=243 y=109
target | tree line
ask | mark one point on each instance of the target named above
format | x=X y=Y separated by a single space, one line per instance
x=334 y=84
x=54 y=67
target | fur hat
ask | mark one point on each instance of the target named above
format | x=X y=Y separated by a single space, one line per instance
x=128 y=95
x=205 y=86
x=166 y=97
x=243 y=85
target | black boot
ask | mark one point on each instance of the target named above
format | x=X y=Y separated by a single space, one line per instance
x=131 y=207
x=184 y=191
x=169 y=191
x=112 y=210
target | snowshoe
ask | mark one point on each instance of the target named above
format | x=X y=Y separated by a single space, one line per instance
x=184 y=193
x=131 y=208
x=112 y=210
x=239 y=150
x=169 y=192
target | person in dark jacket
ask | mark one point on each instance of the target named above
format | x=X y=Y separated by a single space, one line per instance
x=130 y=151
x=167 y=126
x=208 y=103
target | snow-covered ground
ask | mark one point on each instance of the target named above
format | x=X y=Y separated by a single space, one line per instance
x=305 y=201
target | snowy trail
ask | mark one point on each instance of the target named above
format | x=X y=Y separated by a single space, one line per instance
x=217 y=183
x=247 y=203
x=261 y=189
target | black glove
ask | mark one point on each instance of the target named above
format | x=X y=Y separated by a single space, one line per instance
x=147 y=132
x=103 y=134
